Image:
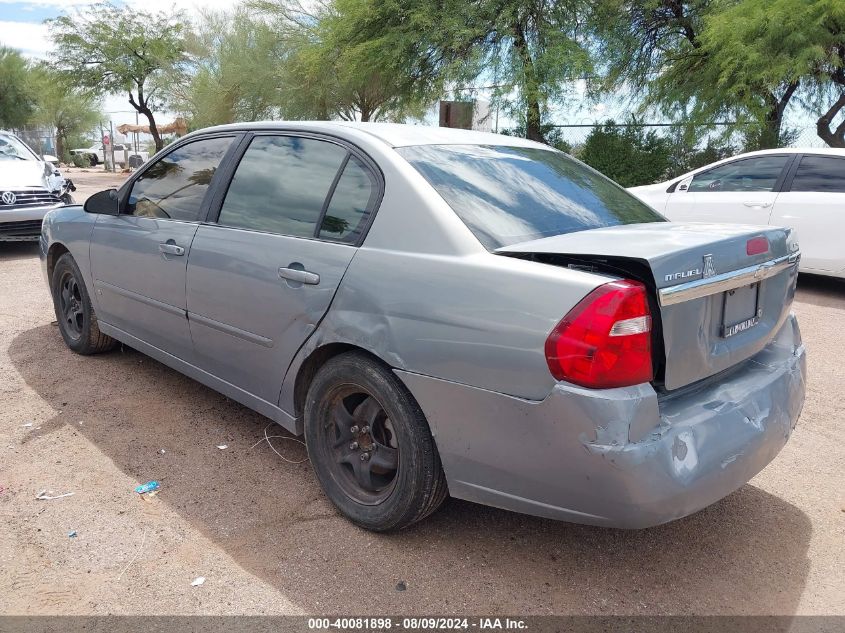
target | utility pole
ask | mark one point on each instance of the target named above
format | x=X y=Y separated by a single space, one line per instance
x=111 y=144
x=102 y=144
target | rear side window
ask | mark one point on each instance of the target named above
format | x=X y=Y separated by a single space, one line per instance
x=353 y=197
x=281 y=185
x=507 y=195
x=820 y=173
x=175 y=185
x=749 y=174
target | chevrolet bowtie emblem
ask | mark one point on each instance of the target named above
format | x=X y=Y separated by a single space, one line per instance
x=708 y=269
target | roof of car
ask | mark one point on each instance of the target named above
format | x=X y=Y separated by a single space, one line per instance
x=394 y=134
x=831 y=151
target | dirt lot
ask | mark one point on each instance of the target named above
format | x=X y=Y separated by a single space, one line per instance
x=90 y=181
x=260 y=532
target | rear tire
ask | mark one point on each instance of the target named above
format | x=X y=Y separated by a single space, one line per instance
x=370 y=445
x=76 y=317
x=92 y=158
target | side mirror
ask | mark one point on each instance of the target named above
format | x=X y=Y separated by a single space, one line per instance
x=50 y=159
x=103 y=202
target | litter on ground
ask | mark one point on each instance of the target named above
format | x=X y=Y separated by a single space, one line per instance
x=43 y=496
x=150 y=486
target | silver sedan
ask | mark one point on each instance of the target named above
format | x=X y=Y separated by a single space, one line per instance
x=444 y=312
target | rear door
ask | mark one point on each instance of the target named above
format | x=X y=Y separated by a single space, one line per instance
x=814 y=204
x=262 y=276
x=740 y=192
x=138 y=258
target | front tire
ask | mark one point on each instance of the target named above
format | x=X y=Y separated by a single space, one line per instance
x=76 y=317
x=370 y=445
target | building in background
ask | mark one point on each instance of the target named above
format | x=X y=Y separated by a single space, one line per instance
x=466 y=115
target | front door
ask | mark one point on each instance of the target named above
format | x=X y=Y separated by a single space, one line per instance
x=262 y=277
x=739 y=192
x=139 y=258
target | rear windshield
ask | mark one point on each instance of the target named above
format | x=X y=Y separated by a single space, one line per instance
x=507 y=195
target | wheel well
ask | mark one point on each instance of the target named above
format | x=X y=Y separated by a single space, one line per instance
x=312 y=365
x=56 y=251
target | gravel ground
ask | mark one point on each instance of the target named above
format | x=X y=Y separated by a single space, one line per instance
x=267 y=542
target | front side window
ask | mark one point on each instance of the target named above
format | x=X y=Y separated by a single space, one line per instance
x=281 y=186
x=507 y=195
x=749 y=174
x=175 y=185
x=822 y=174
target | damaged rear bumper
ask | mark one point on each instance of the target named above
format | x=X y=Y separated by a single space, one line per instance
x=628 y=457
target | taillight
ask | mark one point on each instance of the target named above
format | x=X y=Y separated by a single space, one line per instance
x=757 y=246
x=605 y=340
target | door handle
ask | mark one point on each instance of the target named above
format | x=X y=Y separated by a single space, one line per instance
x=763 y=205
x=302 y=276
x=169 y=248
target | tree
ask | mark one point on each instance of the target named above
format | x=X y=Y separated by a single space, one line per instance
x=629 y=155
x=16 y=98
x=533 y=47
x=232 y=72
x=60 y=105
x=119 y=50
x=530 y=49
x=779 y=43
x=552 y=135
x=666 y=52
x=326 y=69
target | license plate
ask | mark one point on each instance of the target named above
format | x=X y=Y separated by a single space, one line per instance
x=741 y=310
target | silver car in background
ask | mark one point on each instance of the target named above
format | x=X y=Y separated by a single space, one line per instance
x=30 y=186
x=445 y=312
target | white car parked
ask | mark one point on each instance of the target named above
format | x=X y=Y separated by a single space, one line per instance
x=800 y=188
x=123 y=155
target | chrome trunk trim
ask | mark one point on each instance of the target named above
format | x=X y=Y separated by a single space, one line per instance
x=725 y=281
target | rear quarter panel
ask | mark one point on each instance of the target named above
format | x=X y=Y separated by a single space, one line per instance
x=480 y=320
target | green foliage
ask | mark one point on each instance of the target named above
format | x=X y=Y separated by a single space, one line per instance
x=669 y=52
x=119 y=50
x=760 y=48
x=629 y=155
x=233 y=71
x=80 y=161
x=552 y=135
x=415 y=48
x=16 y=97
x=327 y=68
x=62 y=106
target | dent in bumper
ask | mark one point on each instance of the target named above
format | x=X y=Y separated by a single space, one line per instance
x=620 y=457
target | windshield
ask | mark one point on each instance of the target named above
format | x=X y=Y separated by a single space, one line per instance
x=507 y=195
x=12 y=148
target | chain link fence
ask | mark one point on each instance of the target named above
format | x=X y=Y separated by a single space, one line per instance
x=41 y=140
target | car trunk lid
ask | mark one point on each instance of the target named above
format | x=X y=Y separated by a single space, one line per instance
x=721 y=291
